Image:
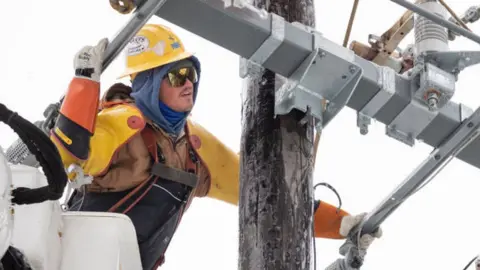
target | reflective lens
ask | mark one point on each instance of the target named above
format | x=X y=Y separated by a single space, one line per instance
x=178 y=77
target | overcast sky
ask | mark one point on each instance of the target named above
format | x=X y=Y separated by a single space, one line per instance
x=435 y=229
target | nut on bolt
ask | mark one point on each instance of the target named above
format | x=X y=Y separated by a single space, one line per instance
x=432 y=100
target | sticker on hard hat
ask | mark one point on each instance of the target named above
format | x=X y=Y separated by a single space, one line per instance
x=137 y=44
x=159 y=48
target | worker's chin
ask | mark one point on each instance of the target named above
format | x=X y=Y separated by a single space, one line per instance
x=186 y=104
x=188 y=108
x=185 y=107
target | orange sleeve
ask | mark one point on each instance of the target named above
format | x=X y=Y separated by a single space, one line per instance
x=327 y=219
x=76 y=121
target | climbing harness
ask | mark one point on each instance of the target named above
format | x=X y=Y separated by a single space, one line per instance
x=160 y=172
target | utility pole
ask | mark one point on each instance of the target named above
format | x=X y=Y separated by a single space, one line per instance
x=276 y=186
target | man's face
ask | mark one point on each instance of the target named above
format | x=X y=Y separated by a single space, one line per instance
x=179 y=98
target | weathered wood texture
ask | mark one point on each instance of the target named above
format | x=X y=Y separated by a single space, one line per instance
x=276 y=195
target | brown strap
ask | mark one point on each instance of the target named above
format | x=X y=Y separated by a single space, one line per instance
x=188 y=178
x=150 y=142
x=172 y=174
x=129 y=195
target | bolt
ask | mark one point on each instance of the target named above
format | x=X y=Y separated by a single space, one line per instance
x=432 y=101
x=322 y=54
x=364 y=130
x=352 y=69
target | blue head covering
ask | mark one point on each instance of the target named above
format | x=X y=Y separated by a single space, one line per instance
x=145 y=91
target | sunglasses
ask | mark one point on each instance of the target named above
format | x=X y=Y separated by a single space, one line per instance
x=178 y=77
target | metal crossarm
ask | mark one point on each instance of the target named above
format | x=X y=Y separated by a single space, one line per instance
x=408 y=110
x=466 y=133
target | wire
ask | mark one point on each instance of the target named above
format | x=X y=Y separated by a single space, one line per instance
x=350 y=23
x=319 y=134
x=313 y=223
x=454 y=15
x=470 y=263
x=345 y=44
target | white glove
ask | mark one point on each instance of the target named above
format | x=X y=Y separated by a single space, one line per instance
x=348 y=222
x=88 y=61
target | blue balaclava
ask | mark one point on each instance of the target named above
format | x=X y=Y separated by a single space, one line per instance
x=145 y=91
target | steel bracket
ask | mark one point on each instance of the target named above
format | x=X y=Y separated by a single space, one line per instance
x=453 y=61
x=386 y=80
x=327 y=73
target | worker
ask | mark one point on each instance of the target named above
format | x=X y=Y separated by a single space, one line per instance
x=146 y=158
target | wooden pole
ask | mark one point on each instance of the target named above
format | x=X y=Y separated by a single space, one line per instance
x=276 y=166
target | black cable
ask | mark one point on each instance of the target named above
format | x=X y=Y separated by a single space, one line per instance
x=46 y=153
x=470 y=262
x=315 y=207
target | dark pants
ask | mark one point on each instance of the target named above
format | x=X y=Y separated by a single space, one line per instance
x=154 y=217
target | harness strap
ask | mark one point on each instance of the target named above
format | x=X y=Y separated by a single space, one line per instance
x=151 y=143
x=187 y=177
x=173 y=174
x=160 y=170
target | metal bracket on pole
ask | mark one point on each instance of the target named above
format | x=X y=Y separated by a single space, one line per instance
x=328 y=73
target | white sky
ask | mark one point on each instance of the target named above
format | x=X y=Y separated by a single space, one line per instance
x=435 y=229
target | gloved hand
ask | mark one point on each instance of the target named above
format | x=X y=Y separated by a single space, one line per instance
x=353 y=253
x=349 y=222
x=88 y=61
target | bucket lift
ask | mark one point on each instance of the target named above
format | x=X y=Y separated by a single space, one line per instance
x=414 y=105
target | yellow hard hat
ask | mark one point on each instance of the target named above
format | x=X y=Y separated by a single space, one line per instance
x=154 y=45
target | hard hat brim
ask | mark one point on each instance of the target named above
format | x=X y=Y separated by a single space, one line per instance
x=154 y=64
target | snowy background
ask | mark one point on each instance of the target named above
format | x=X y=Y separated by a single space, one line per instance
x=435 y=229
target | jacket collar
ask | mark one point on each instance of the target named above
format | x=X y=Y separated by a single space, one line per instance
x=180 y=136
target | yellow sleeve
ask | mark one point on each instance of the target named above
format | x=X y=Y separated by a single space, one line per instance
x=114 y=127
x=223 y=165
x=221 y=162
